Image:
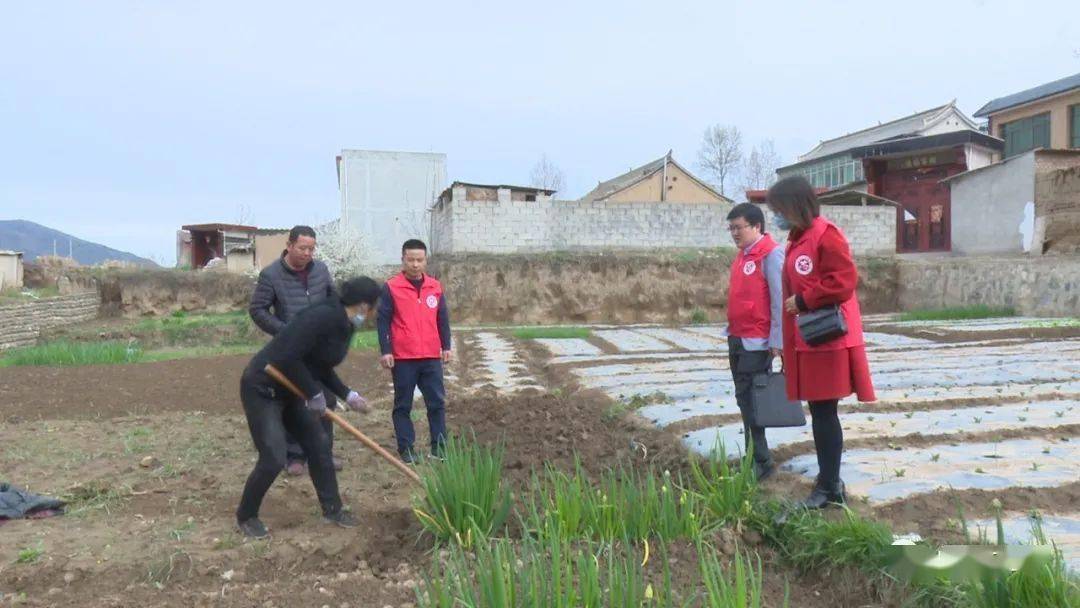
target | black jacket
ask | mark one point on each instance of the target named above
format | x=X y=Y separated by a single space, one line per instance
x=309 y=348
x=280 y=288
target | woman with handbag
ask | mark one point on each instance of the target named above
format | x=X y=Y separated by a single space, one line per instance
x=824 y=352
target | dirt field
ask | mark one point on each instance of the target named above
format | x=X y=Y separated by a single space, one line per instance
x=163 y=534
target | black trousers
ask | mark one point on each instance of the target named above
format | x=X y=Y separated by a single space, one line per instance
x=427 y=375
x=270 y=413
x=828 y=439
x=744 y=364
x=294 y=451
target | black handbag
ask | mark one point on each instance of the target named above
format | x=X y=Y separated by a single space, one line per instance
x=772 y=408
x=822 y=325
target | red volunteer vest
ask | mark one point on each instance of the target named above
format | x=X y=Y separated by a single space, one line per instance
x=414 y=330
x=801 y=272
x=748 y=310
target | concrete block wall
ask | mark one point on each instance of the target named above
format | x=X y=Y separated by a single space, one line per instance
x=462 y=226
x=1047 y=285
x=21 y=324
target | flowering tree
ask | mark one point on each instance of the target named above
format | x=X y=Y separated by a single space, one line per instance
x=344 y=251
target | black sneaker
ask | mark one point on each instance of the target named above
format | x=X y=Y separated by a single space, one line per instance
x=438 y=454
x=252 y=528
x=408 y=457
x=341 y=519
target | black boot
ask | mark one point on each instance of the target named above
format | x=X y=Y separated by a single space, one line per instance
x=764 y=470
x=825 y=493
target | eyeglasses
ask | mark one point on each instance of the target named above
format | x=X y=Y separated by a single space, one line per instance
x=732 y=228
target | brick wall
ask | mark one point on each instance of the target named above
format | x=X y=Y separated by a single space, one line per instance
x=464 y=226
x=21 y=324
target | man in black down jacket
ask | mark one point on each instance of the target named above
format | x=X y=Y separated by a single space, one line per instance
x=286 y=287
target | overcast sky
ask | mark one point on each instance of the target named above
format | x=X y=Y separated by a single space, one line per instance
x=120 y=121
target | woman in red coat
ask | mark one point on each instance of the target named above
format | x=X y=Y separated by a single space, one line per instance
x=819 y=272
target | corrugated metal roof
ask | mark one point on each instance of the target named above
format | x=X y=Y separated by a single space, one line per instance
x=901 y=127
x=1033 y=94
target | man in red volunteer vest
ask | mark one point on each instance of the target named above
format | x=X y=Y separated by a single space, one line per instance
x=414 y=338
x=755 y=334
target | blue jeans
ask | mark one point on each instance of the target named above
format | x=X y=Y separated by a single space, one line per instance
x=427 y=374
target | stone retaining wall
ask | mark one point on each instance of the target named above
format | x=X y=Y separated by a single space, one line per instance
x=21 y=324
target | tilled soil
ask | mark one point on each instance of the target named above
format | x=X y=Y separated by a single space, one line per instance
x=154 y=456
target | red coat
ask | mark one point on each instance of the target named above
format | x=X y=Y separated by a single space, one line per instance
x=414 y=329
x=748 y=310
x=818 y=267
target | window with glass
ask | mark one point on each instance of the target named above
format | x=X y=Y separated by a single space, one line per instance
x=1075 y=122
x=1026 y=134
x=832 y=173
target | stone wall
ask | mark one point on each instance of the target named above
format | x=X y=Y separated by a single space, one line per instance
x=21 y=324
x=475 y=226
x=1048 y=285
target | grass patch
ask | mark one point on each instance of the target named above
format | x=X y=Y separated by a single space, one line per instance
x=66 y=354
x=959 y=313
x=198 y=352
x=14 y=295
x=84 y=500
x=551 y=333
x=699 y=317
x=464 y=495
x=366 y=340
x=181 y=327
x=29 y=555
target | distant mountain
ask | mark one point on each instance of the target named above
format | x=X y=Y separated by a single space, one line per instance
x=36 y=240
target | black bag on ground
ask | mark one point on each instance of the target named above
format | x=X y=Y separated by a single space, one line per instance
x=772 y=409
x=821 y=325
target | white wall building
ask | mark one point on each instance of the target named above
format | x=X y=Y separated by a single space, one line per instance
x=387 y=197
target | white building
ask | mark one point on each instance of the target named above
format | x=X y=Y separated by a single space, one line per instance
x=387 y=196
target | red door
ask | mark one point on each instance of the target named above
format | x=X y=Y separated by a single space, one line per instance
x=923 y=221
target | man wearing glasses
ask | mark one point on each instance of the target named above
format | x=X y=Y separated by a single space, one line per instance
x=755 y=301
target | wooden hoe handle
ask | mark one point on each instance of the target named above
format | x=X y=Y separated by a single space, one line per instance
x=276 y=374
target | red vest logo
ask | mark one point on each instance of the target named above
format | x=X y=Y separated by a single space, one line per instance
x=804 y=265
x=432 y=301
x=749 y=268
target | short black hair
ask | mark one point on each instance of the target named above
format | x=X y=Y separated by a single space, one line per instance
x=359 y=290
x=299 y=231
x=749 y=212
x=413 y=244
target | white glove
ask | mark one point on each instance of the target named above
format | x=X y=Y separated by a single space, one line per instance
x=357 y=403
x=317 y=403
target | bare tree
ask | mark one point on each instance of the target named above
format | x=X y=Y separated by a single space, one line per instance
x=546 y=175
x=759 y=167
x=720 y=153
x=244 y=216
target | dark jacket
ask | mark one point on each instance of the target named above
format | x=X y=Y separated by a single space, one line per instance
x=308 y=349
x=282 y=289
